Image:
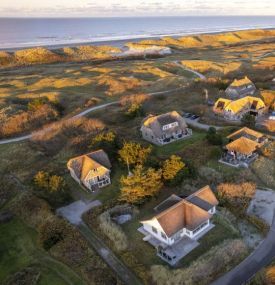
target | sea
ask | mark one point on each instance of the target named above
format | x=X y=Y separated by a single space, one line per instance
x=29 y=32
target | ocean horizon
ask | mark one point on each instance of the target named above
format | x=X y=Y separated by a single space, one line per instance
x=30 y=32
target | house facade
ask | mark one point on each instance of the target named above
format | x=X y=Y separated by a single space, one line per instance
x=234 y=110
x=165 y=128
x=180 y=223
x=240 y=88
x=91 y=170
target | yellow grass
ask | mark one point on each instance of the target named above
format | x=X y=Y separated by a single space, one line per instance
x=59 y=83
x=204 y=65
x=152 y=70
x=118 y=85
x=52 y=96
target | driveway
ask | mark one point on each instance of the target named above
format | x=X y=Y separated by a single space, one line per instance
x=262 y=256
x=73 y=213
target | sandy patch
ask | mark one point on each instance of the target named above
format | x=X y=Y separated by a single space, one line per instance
x=263 y=205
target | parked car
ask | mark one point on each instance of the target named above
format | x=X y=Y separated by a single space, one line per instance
x=194 y=117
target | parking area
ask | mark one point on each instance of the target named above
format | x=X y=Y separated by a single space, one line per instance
x=190 y=116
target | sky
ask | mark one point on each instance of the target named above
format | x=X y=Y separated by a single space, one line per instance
x=126 y=8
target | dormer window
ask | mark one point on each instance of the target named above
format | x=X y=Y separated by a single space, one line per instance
x=169 y=126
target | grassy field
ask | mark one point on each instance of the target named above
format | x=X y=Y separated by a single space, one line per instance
x=19 y=250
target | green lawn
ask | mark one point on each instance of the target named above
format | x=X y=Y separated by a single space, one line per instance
x=177 y=146
x=19 y=249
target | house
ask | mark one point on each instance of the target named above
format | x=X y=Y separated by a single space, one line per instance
x=91 y=170
x=250 y=134
x=174 y=231
x=165 y=128
x=234 y=110
x=240 y=88
x=243 y=147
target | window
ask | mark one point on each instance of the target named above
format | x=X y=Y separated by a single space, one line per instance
x=154 y=230
x=163 y=235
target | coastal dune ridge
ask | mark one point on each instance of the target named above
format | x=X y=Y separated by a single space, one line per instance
x=155 y=47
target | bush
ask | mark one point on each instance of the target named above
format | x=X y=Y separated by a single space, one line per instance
x=258 y=223
x=52 y=231
x=249 y=120
x=270 y=275
x=173 y=170
x=206 y=268
x=238 y=196
x=213 y=137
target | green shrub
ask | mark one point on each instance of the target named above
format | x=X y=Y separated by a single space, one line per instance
x=213 y=137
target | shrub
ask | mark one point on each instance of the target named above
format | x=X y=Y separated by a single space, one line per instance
x=258 y=223
x=172 y=170
x=213 y=137
x=238 y=196
x=52 y=183
x=249 y=120
x=210 y=175
x=52 y=231
x=270 y=275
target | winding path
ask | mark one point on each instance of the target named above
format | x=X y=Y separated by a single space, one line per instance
x=95 y=108
x=262 y=256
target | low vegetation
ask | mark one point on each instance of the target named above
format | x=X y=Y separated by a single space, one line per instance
x=202 y=271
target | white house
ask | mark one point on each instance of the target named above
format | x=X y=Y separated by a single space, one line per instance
x=180 y=220
x=91 y=170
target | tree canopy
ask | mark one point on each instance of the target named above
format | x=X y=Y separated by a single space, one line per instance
x=134 y=153
x=141 y=185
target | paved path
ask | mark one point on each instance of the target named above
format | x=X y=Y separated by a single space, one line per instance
x=73 y=213
x=262 y=256
x=201 y=76
x=85 y=112
x=198 y=125
x=123 y=272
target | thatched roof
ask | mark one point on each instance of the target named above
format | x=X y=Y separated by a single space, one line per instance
x=97 y=160
x=243 y=145
x=246 y=132
x=241 y=82
x=186 y=213
x=156 y=123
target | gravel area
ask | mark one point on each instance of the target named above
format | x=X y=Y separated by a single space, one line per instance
x=263 y=205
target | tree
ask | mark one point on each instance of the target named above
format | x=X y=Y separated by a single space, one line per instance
x=56 y=183
x=141 y=185
x=107 y=141
x=41 y=180
x=249 y=120
x=52 y=183
x=172 y=168
x=133 y=153
x=213 y=137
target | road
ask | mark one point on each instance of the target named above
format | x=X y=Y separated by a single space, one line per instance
x=262 y=256
x=198 y=125
x=90 y=110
